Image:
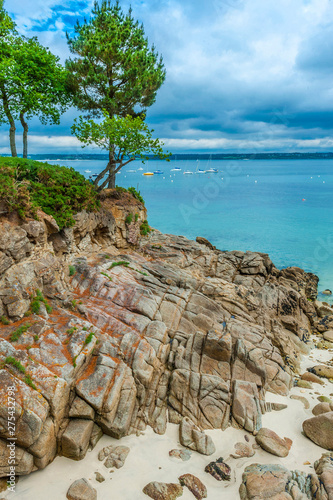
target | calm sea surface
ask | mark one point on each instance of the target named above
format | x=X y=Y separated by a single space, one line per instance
x=282 y=207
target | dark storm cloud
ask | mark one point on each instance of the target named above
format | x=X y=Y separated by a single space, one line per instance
x=254 y=75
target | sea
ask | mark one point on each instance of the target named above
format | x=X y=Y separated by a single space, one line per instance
x=283 y=207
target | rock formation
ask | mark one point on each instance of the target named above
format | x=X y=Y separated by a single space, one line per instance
x=104 y=331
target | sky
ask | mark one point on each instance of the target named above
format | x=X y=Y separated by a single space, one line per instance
x=242 y=75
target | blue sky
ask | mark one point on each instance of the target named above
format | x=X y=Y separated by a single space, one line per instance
x=242 y=75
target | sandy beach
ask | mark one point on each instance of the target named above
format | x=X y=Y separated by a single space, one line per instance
x=149 y=458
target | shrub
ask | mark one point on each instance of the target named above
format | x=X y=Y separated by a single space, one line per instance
x=136 y=194
x=129 y=219
x=144 y=228
x=71 y=270
x=89 y=338
x=120 y=263
x=37 y=299
x=28 y=380
x=4 y=320
x=17 y=334
x=107 y=276
x=61 y=192
x=10 y=360
x=136 y=218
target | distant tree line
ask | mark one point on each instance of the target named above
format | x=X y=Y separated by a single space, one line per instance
x=113 y=77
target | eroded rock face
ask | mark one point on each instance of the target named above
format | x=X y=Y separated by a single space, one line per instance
x=195 y=439
x=170 y=330
x=275 y=481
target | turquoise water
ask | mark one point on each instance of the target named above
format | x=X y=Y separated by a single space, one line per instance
x=282 y=207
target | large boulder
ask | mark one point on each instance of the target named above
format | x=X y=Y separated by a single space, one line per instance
x=272 y=443
x=81 y=490
x=75 y=439
x=320 y=430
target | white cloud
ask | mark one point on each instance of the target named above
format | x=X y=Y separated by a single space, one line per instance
x=231 y=65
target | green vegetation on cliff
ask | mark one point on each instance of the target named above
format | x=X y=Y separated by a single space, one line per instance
x=27 y=185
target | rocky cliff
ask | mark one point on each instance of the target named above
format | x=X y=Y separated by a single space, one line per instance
x=106 y=331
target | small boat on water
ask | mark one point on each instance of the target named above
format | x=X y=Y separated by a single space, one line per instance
x=212 y=171
x=94 y=175
x=187 y=172
x=88 y=171
x=176 y=169
x=200 y=171
x=130 y=171
x=140 y=168
x=148 y=173
x=158 y=172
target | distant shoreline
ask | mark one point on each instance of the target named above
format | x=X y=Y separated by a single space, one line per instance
x=196 y=156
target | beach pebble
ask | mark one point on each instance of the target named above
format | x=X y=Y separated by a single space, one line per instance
x=322 y=408
x=324 y=399
x=302 y=399
x=181 y=454
x=163 y=491
x=311 y=377
x=243 y=450
x=304 y=384
x=272 y=443
x=99 y=477
x=117 y=457
x=219 y=470
x=194 y=484
x=328 y=335
x=322 y=371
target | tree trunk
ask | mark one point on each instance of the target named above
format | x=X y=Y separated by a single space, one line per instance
x=112 y=176
x=25 y=135
x=10 y=118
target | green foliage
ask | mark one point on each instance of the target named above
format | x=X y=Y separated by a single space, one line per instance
x=85 y=328
x=70 y=331
x=59 y=191
x=106 y=275
x=89 y=338
x=32 y=83
x=115 y=74
x=129 y=219
x=10 y=360
x=36 y=301
x=36 y=338
x=114 y=68
x=136 y=194
x=28 y=380
x=73 y=304
x=136 y=218
x=17 y=333
x=144 y=228
x=74 y=361
x=129 y=137
x=120 y=263
x=71 y=270
x=4 y=320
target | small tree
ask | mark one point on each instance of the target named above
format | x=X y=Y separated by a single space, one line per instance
x=32 y=83
x=125 y=138
x=115 y=72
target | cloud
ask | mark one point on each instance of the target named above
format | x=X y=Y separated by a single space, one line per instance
x=235 y=69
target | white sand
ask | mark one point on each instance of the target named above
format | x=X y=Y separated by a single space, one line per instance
x=149 y=458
